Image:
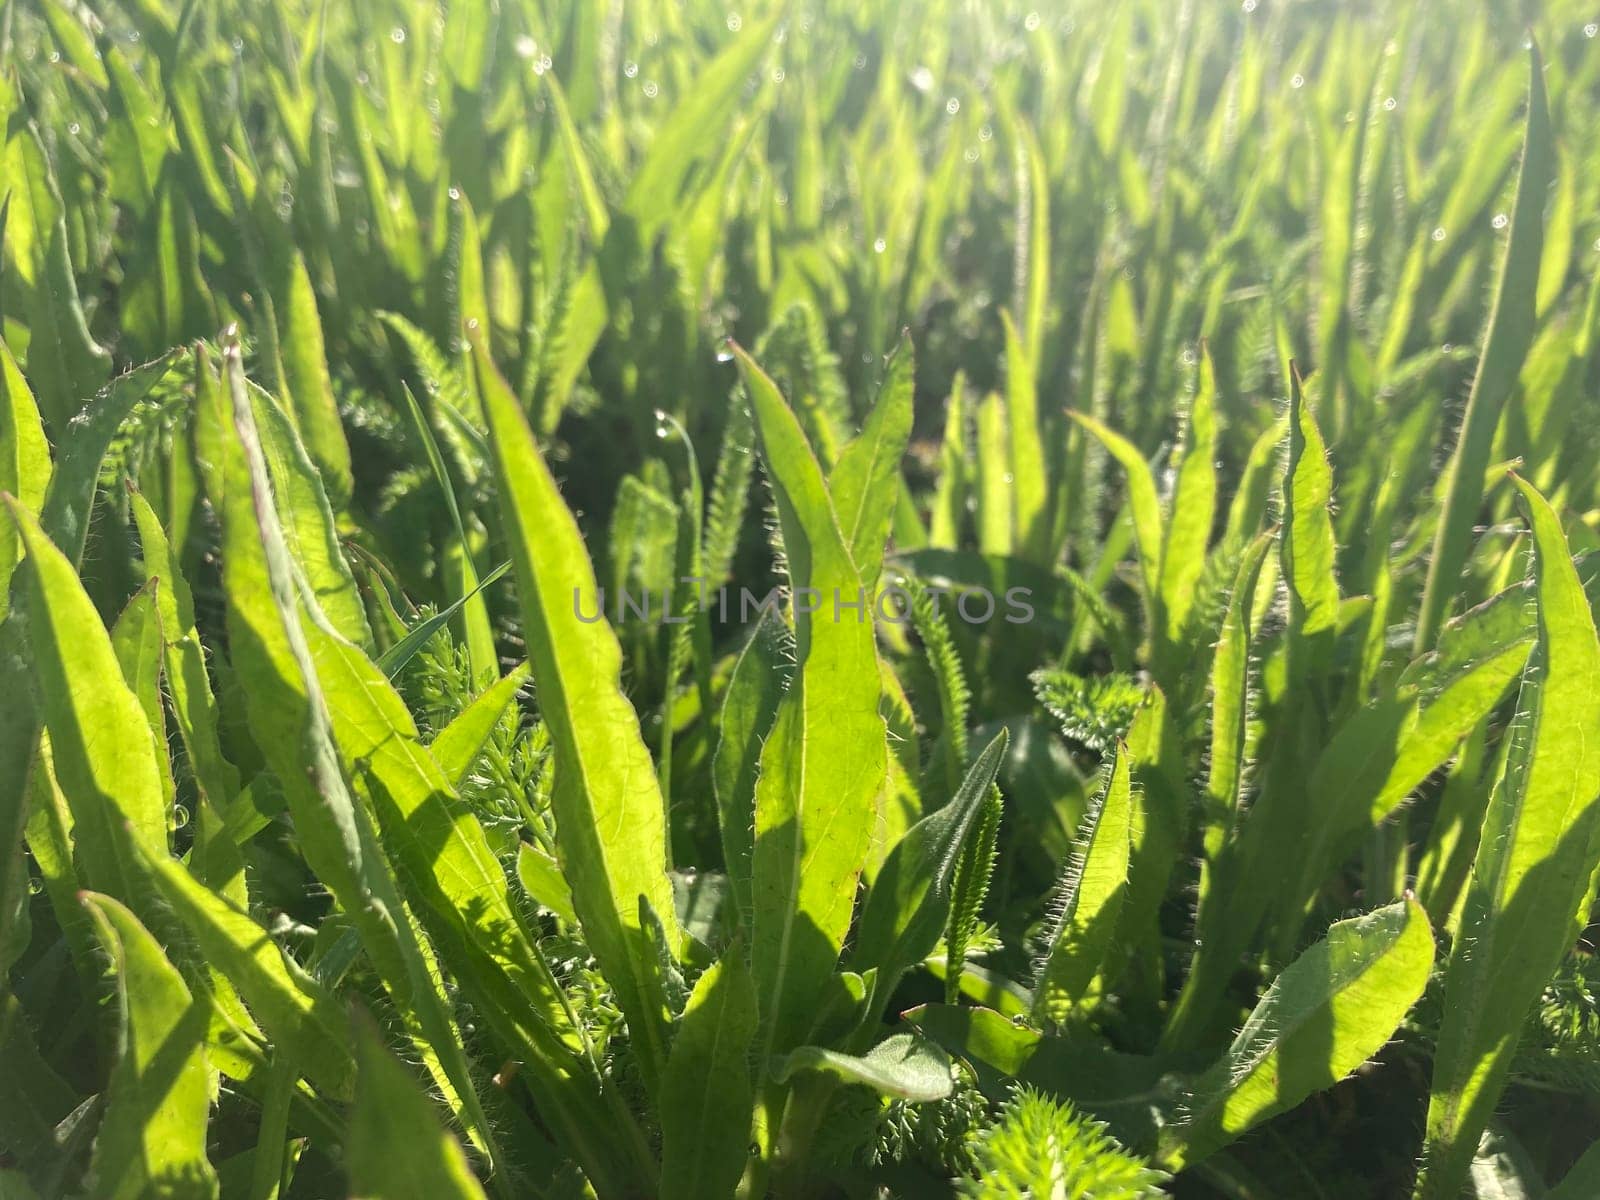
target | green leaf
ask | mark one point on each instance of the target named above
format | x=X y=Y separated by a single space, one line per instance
x=1144 y=503
x=760 y=676
x=909 y=904
x=152 y=1140
x=1230 y=701
x=136 y=640
x=81 y=449
x=24 y=462
x=396 y=1148
x=67 y=365
x=1089 y=899
x=458 y=744
x=1330 y=1010
x=1539 y=847
x=825 y=762
x=904 y=1065
x=974 y=871
x=393 y=660
x=707 y=1093
x=1505 y=345
x=309 y=530
x=1194 y=498
x=1308 y=548
x=1029 y=486
x=289 y=719
x=104 y=753
x=610 y=824
x=305 y=375
x=694 y=128
x=865 y=482
x=188 y=683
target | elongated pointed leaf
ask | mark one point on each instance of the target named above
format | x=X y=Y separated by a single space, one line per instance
x=761 y=675
x=1536 y=855
x=909 y=904
x=307 y=519
x=1505 y=345
x=707 y=1093
x=1194 y=499
x=397 y=1148
x=865 y=482
x=152 y=1139
x=104 y=754
x=187 y=680
x=24 y=462
x=904 y=1065
x=458 y=744
x=1090 y=898
x=1330 y=1010
x=610 y=827
x=1308 y=547
x=289 y=719
x=825 y=761
x=1144 y=503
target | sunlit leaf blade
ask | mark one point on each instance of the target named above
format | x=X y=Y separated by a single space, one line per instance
x=1330 y=1010
x=293 y=1010
x=104 y=753
x=866 y=480
x=826 y=758
x=289 y=718
x=707 y=1093
x=610 y=826
x=1505 y=345
x=24 y=461
x=909 y=904
x=152 y=1140
x=1089 y=899
x=1194 y=497
x=397 y=1148
x=1308 y=547
x=760 y=676
x=904 y=1065
x=459 y=743
x=1535 y=858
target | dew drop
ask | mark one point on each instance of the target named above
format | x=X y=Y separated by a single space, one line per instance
x=1591 y=29
x=777 y=75
x=1389 y=104
x=526 y=47
x=1298 y=81
x=922 y=79
x=397 y=35
x=1500 y=221
x=455 y=193
x=650 y=89
x=1249 y=6
x=1031 y=22
x=879 y=246
x=1438 y=234
x=952 y=106
x=985 y=133
x=724 y=354
x=630 y=68
x=734 y=22
x=72 y=128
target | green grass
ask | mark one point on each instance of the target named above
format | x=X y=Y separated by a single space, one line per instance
x=1169 y=761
